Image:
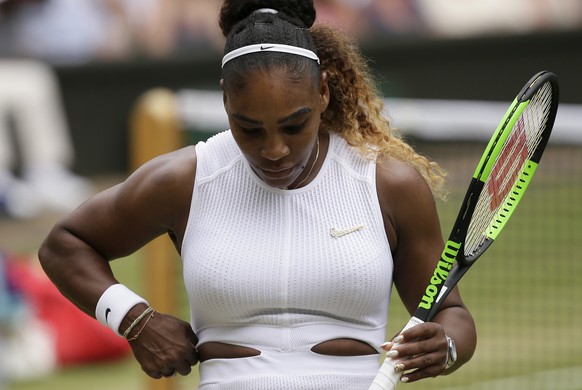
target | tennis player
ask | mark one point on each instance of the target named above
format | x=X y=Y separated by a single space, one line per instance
x=292 y=226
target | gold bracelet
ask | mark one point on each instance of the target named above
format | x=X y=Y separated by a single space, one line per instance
x=137 y=320
x=143 y=327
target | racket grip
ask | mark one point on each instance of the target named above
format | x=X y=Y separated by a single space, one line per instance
x=387 y=378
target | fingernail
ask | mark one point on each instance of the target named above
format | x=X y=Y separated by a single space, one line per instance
x=398 y=339
x=399 y=367
x=404 y=379
x=384 y=344
x=392 y=354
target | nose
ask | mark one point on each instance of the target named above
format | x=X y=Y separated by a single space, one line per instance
x=274 y=148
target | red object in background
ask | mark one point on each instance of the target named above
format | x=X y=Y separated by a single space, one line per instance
x=79 y=338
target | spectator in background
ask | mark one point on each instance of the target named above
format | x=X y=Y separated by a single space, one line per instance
x=452 y=18
x=83 y=31
x=394 y=17
x=344 y=14
x=73 y=32
x=368 y=19
x=59 y=31
x=35 y=170
x=161 y=28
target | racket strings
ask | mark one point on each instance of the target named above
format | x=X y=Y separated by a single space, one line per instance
x=520 y=145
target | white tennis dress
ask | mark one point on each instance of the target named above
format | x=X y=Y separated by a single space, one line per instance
x=283 y=270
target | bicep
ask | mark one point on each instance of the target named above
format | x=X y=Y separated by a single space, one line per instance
x=412 y=221
x=123 y=218
x=114 y=223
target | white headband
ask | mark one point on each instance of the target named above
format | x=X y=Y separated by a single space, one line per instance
x=264 y=47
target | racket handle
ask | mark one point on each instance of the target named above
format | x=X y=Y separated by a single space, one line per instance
x=387 y=378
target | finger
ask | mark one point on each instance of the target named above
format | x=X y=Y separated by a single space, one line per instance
x=184 y=369
x=426 y=346
x=424 y=366
x=423 y=347
x=422 y=331
x=193 y=355
x=387 y=346
x=154 y=374
x=192 y=336
x=190 y=355
x=423 y=373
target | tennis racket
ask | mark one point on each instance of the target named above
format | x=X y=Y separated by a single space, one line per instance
x=498 y=184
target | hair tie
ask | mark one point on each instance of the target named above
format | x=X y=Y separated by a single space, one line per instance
x=266 y=11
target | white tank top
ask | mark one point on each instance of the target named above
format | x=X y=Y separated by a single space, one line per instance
x=262 y=267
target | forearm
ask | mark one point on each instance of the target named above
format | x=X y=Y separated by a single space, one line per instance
x=459 y=325
x=78 y=271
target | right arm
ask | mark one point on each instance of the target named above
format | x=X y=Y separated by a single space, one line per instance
x=115 y=223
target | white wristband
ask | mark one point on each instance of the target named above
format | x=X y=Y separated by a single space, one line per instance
x=114 y=304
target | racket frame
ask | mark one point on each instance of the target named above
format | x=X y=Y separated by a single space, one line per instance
x=453 y=263
x=453 y=252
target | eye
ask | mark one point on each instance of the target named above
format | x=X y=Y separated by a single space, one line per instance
x=250 y=130
x=294 y=129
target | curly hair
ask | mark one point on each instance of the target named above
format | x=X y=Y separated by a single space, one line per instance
x=355 y=107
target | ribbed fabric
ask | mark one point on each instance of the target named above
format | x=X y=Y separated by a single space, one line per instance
x=260 y=265
x=259 y=373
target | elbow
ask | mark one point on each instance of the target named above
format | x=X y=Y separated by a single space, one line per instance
x=56 y=250
x=47 y=254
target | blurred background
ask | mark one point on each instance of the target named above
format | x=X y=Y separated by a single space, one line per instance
x=77 y=77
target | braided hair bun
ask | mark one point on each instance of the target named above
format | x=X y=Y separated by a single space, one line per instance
x=298 y=12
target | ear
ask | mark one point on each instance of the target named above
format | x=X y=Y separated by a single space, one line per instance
x=223 y=92
x=323 y=91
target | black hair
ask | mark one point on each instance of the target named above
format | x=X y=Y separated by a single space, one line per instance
x=243 y=26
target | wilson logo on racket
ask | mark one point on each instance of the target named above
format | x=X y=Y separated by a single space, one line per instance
x=510 y=160
x=440 y=274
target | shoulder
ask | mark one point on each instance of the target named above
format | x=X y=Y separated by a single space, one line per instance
x=170 y=169
x=400 y=181
x=162 y=185
x=404 y=195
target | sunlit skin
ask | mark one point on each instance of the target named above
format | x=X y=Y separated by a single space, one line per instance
x=275 y=122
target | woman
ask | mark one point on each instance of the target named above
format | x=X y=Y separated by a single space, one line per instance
x=292 y=226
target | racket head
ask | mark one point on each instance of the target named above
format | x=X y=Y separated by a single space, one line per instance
x=510 y=161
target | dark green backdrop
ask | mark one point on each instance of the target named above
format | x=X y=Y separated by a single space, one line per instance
x=98 y=98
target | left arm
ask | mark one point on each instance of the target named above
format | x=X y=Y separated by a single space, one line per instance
x=413 y=229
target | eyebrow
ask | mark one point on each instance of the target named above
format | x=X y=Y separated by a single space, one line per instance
x=288 y=118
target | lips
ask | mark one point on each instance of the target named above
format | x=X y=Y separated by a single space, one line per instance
x=277 y=174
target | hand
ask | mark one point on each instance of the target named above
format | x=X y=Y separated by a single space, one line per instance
x=166 y=346
x=421 y=349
